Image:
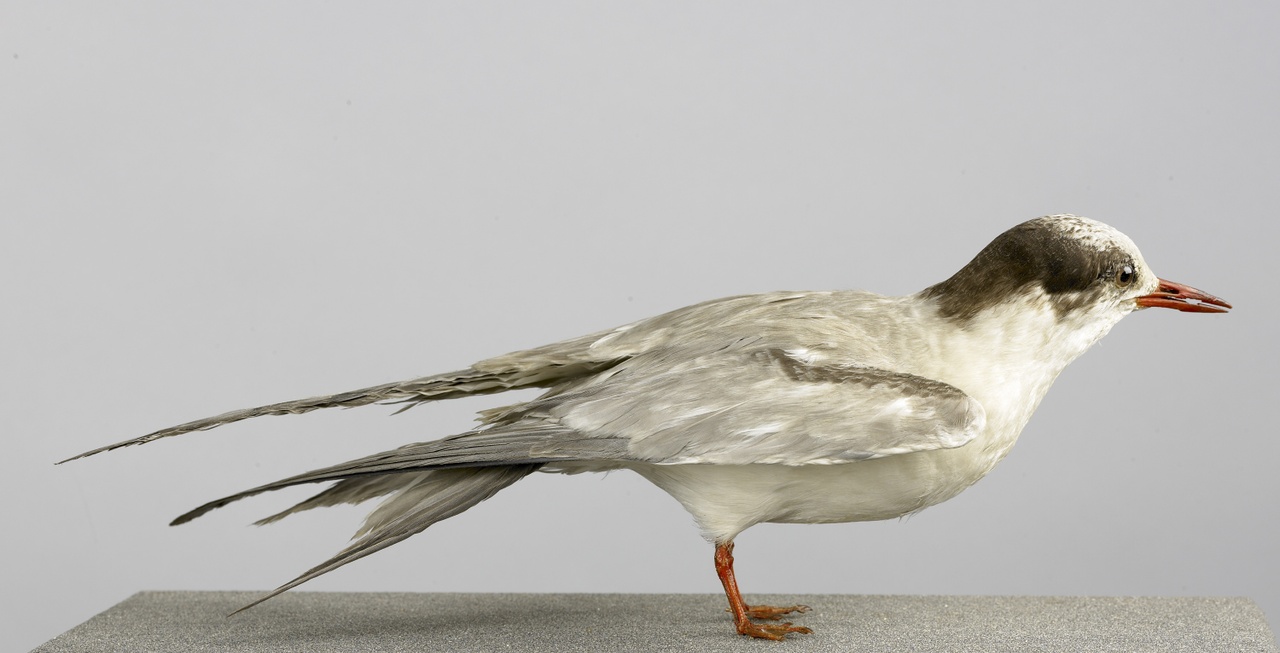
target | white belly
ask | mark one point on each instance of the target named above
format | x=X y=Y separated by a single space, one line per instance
x=727 y=499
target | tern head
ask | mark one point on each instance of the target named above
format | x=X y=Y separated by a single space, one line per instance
x=1086 y=272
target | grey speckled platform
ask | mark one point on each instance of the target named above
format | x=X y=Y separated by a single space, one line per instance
x=321 y=622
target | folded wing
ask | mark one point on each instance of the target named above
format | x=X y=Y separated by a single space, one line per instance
x=766 y=406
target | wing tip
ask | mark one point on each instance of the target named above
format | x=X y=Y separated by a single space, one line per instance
x=94 y=452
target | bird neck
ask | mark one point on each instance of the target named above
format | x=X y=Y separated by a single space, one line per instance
x=1007 y=356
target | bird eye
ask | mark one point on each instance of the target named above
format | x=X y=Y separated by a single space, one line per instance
x=1125 y=275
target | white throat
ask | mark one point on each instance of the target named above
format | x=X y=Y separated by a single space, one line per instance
x=1008 y=356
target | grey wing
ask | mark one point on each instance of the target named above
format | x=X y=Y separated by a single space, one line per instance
x=733 y=407
x=559 y=364
x=768 y=406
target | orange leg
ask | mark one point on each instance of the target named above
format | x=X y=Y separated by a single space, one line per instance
x=743 y=613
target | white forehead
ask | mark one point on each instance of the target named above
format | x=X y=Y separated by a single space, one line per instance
x=1092 y=233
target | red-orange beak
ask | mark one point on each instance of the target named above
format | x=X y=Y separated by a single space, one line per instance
x=1183 y=298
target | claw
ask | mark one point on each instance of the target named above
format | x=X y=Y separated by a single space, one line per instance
x=772 y=613
x=775 y=632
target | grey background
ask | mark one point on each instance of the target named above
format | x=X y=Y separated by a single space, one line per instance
x=212 y=205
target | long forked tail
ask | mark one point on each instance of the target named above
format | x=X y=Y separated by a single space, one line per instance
x=431 y=481
x=432 y=497
x=371 y=476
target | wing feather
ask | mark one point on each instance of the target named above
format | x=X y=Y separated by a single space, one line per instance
x=768 y=406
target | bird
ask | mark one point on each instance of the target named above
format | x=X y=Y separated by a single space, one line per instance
x=779 y=407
